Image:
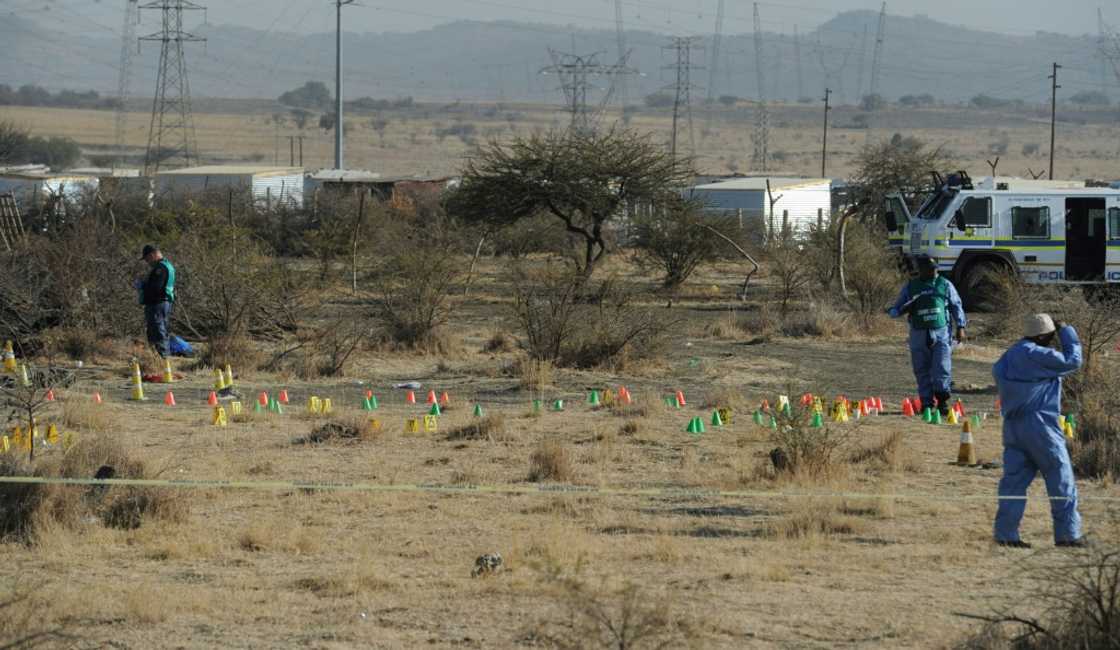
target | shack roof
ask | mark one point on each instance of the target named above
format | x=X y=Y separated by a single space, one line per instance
x=233 y=170
x=758 y=183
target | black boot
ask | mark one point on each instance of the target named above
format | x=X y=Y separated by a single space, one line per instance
x=943 y=403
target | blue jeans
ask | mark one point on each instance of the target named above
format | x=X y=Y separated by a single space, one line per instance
x=156 y=318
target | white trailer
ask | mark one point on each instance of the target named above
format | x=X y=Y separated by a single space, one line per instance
x=800 y=203
x=269 y=186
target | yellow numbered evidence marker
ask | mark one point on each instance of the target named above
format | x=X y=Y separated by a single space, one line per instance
x=431 y=424
x=412 y=425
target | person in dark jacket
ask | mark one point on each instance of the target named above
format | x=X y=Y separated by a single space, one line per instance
x=157 y=294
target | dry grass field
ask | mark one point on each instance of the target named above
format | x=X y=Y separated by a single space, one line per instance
x=1088 y=143
x=892 y=564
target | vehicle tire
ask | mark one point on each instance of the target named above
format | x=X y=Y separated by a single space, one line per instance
x=986 y=286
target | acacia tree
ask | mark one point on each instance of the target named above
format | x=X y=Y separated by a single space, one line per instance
x=582 y=179
x=901 y=164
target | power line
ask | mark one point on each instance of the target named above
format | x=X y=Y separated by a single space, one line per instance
x=171 y=134
x=124 y=75
x=682 y=88
x=761 y=135
x=877 y=57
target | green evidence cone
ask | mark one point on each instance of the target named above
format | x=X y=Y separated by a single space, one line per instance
x=786 y=410
x=717 y=421
x=936 y=416
x=536 y=406
x=593 y=398
x=817 y=421
x=478 y=410
x=435 y=410
x=773 y=422
x=373 y=403
x=927 y=415
x=257 y=407
x=695 y=426
x=558 y=405
x=758 y=418
x=366 y=406
x=976 y=422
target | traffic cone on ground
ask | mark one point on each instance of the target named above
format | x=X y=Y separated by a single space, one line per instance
x=558 y=405
x=369 y=393
x=50 y=395
x=9 y=357
x=953 y=419
x=758 y=418
x=864 y=409
x=936 y=416
x=959 y=408
x=410 y=397
x=137 y=383
x=373 y=402
x=52 y=434
x=680 y=399
x=817 y=421
x=444 y=399
x=478 y=410
x=536 y=406
x=695 y=426
x=283 y=397
x=219 y=379
x=917 y=402
x=168 y=376
x=314 y=405
x=366 y=405
x=169 y=399
x=212 y=400
x=431 y=397
x=257 y=408
x=262 y=399
x=717 y=421
x=1067 y=427
x=228 y=381
x=967 y=453
x=327 y=406
x=435 y=409
x=927 y=415
x=907 y=408
x=624 y=395
x=97 y=398
x=593 y=398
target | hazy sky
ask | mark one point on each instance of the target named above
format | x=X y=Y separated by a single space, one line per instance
x=668 y=16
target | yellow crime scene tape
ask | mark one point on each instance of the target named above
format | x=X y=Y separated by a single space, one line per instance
x=534 y=489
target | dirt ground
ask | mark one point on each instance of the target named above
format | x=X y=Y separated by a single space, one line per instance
x=248 y=569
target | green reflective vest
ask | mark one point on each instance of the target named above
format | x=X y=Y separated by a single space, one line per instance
x=929 y=311
x=170 y=289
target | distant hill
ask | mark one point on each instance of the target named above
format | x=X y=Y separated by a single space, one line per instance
x=502 y=61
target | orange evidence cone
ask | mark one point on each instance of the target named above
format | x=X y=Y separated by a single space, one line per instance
x=169 y=399
x=878 y=406
x=284 y=396
x=907 y=408
x=959 y=408
x=410 y=398
x=680 y=398
x=431 y=397
x=863 y=410
x=97 y=398
x=624 y=395
x=444 y=399
x=213 y=399
x=50 y=395
x=262 y=399
x=369 y=394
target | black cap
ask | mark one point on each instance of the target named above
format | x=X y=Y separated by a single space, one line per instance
x=925 y=262
x=148 y=250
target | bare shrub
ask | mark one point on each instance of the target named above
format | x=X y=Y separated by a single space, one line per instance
x=237 y=351
x=888 y=454
x=414 y=295
x=550 y=461
x=499 y=341
x=1093 y=397
x=1079 y=598
x=574 y=322
x=85 y=415
x=534 y=374
x=626 y=618
x=871 y=272
x=77 y=343
x=344 y=428
x=806 y=451
x=787 y=263
x=675 y=240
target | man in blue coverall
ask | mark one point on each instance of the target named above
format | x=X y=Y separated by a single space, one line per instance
x=1029 y=376
x=932 y=304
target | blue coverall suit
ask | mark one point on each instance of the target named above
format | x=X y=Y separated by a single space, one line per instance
x=1029 y=377
x=931 y=350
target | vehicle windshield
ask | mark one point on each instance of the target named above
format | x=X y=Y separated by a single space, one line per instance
x=935 y=206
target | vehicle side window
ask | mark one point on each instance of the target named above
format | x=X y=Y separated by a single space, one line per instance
x=1030 y=223
x=977 y=212
x=1114 y=223
x=895 y=205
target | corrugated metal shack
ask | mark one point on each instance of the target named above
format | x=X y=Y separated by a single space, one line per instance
x=36 y=187
x=269 y=186
x=800 y=203
x=393 y=189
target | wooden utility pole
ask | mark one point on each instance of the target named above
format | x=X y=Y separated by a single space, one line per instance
x=824 y=137
x=1053 y=113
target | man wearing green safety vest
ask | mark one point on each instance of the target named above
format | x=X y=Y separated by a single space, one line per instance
x=932 y=304
x=157 y=293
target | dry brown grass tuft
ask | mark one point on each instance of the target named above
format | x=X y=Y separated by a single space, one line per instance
x=499 y=341
x=342 y=428
x=550 y=461
x=490 y=427
x=78 y=343
x=726 y=397
x=84 y=415
x=630 y=428
x=813 y=520
x=889 y=454
x=278 y=535
x=533 y=374
x=239 y=352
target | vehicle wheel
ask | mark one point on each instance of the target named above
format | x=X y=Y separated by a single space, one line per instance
x=988 y=286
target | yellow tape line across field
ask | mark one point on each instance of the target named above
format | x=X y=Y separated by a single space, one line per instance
x=534 y=489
